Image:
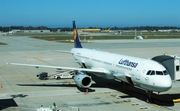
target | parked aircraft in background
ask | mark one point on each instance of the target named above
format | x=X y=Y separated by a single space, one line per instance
x=107 y=31
x=90 y=30
x=142 y=73
x=138 y=37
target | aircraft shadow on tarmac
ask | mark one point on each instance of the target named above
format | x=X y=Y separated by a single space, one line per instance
x=6 y=103
x=131 y=91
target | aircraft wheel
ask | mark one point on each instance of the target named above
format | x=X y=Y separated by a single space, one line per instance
x=72 y=77
x=149 y=100
x=58 y=78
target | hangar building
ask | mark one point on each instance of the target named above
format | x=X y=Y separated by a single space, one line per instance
x=29 y=31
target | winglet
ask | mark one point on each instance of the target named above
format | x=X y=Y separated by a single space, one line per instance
x=77 y=43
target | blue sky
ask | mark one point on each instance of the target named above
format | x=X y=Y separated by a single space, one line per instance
x=96 y=13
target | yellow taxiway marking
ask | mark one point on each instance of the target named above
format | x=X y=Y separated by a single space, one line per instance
x=39 y=58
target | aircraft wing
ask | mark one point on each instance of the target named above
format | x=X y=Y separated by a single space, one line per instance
x=97 y=70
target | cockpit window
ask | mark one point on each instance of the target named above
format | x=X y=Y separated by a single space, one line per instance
x=165 y=72
x=151 y=72
x=159 y=73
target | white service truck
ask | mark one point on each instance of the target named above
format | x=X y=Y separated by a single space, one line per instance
x=64 y=75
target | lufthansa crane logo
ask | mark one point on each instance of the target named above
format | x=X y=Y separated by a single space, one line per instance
x=74 y=34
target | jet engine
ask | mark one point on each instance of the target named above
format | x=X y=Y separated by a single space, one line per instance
x=83 y=80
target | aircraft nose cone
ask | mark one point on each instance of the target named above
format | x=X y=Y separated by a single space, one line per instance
x=167 y=84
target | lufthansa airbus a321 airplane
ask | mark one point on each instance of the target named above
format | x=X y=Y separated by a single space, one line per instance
x=142 y=73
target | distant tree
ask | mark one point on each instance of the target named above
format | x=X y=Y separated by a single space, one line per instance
x=1 y=28
x=150 y=28
x=66 y=29
x=29 y=28
x=42 y=28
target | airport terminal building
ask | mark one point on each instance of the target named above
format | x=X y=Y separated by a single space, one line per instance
x=29 y=31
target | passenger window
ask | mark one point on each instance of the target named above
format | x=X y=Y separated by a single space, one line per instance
x=149 y=72
x=165 y=72
x=152 y=73
x=159 y=73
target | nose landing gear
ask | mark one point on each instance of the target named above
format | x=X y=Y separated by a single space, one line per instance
x=149 y=99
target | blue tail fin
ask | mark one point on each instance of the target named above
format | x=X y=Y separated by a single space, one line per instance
x=77 y=43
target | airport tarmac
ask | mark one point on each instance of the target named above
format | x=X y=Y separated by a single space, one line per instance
x=21 y=90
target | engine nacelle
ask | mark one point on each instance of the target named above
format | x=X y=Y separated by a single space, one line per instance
x=83 y=80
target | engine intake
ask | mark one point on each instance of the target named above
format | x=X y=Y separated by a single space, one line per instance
x=83 y=80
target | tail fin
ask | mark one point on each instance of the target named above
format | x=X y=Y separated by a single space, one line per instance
x=77 y=43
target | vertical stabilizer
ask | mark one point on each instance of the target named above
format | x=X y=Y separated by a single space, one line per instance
x=77 y=43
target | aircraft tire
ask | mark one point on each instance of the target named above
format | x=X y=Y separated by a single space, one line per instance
x=58 y=78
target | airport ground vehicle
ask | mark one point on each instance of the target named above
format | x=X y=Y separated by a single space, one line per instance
x=64 y=75
x=42 y=75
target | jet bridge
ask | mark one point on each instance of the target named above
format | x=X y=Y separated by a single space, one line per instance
x=171 y=63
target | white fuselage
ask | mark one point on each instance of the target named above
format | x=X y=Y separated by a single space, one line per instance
x=132 y=70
